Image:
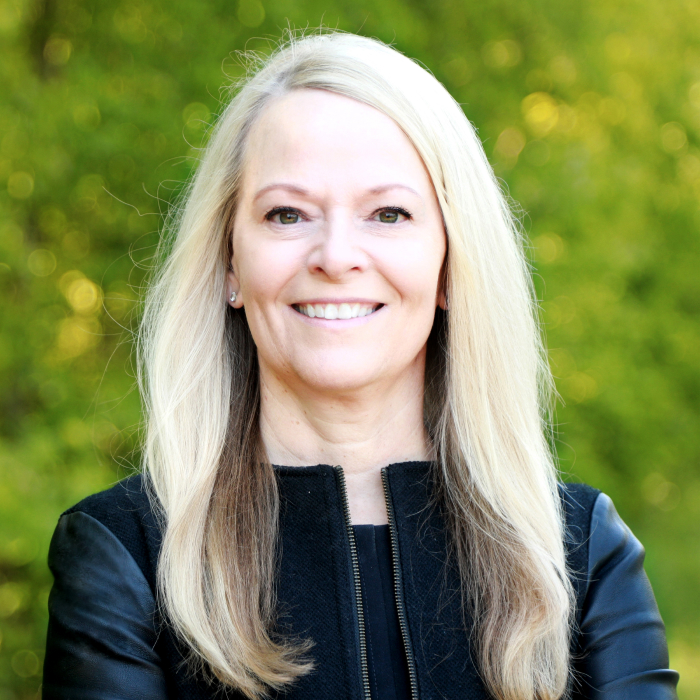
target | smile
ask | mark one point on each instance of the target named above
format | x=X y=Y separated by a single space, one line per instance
x=341 y=311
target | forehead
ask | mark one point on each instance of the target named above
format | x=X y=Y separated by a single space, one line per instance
x=324 y=138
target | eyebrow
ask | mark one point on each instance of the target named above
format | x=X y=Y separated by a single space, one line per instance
x=296 y=189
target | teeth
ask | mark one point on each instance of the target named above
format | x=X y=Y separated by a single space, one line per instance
x=342 y=311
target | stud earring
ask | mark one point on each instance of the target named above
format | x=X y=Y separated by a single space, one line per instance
x=233 y=296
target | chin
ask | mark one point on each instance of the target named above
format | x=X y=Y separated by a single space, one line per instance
x=337 y=378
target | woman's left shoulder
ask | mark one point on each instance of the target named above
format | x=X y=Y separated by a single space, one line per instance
x=620 y=648
x=594 y=532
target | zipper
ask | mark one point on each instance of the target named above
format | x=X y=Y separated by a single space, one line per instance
x=358 y=588
x=398 y=588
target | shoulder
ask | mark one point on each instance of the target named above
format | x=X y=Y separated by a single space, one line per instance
x=594 y=530
x=126 y=511
x=578 y=503
x=126 y=497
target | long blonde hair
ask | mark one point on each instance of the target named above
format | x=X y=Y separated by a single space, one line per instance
x=486 y=401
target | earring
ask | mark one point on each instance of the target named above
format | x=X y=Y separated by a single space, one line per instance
x=233 y=296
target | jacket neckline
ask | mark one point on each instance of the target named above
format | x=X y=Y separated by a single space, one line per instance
x=328 y=469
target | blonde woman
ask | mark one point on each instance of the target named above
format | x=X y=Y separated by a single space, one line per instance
x=347 y=489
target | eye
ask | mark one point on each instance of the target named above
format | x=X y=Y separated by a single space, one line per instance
x=282 y=215
x=393 y=215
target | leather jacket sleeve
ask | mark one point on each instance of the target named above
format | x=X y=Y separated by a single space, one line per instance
x=101 y=631
x=101 y=634
x=623 y=651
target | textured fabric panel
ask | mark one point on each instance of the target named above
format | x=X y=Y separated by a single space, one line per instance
x=315 y=582
x=431 y=586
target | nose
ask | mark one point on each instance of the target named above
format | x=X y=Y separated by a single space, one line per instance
x=337 y=251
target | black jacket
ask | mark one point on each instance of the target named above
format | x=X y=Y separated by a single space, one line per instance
x=107 y=640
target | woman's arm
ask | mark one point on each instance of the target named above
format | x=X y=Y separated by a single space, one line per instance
x=624 y=652
x=101 y=633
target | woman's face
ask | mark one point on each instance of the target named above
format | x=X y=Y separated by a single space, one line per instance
x=338 y=245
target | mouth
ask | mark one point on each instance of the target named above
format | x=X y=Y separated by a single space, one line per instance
x=342 y=311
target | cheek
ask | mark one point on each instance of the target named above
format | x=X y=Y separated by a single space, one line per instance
x=414 y=268
x=262 y=270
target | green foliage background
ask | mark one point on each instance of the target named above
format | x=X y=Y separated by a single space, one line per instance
x=590 y=112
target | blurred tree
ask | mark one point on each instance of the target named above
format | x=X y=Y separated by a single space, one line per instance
x=591 y=116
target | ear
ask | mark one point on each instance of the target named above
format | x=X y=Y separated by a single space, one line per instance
x=233 y=286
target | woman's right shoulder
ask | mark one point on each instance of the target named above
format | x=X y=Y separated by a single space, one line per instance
x=124 y=512
x=125 y=499
x=102 y=630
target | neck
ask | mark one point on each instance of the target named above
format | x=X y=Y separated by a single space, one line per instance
x=361 y=430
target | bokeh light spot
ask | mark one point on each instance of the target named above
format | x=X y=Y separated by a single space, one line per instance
x=86 y=116
x=85 y=194
x=509 y=144
x=661 y=492
x=251 y=13
x=548 y=247
x=25 y=663
x=57 y=50
x=41 y=262
x=77 y=335
x=13 y=597
x=129 y=25
x=196 y=116
x=20 y=551
x=541 y=112
x=673 y=137
x=457 y=71
x=84 y=296
x=20 y=185
x=502 y=54
x=580 y=387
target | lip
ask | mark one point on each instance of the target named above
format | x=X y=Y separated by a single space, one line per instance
x=328 y=300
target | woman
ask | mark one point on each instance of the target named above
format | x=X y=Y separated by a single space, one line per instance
x=346 y=298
